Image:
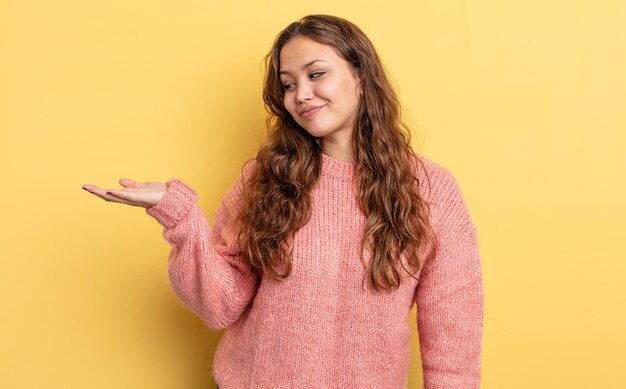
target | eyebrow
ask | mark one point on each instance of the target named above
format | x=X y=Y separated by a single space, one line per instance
x=306 y=65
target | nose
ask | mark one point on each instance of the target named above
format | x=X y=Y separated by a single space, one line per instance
x=304 y=92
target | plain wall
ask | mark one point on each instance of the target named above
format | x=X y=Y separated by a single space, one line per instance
x=524 y=102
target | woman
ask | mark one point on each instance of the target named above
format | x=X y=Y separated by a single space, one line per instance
x=329 y=236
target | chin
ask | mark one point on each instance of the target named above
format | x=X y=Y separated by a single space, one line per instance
x=316 y=131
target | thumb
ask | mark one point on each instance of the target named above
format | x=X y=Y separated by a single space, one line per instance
x=128 y=183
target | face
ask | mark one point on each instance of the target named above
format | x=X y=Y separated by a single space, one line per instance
x=321 y=91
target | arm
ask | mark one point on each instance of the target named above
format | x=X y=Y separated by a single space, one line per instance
x=207 y=271
x=449 y=297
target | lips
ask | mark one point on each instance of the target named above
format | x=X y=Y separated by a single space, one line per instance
x=310 y=111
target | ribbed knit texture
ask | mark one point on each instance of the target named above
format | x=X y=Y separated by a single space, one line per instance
x=319 y=328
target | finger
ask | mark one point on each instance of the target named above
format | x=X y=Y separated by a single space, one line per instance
x=131 y=198
x=115 y=199
x=94 y=189
x=122 y=194
x=106 y=196
x=128 y=183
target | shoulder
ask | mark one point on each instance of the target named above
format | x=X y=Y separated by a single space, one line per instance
x=436 y=182
x=441 y=191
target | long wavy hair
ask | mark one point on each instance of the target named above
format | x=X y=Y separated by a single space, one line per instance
x=276 y=198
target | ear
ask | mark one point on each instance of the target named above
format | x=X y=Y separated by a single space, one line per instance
x=359 y=84
x=359 y=89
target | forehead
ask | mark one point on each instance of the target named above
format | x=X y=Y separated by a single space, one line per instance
x=301 y=50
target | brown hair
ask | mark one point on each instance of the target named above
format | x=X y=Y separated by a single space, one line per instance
x=275 y=199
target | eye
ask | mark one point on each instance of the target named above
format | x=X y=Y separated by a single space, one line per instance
x=316 y=74
x=287 y=87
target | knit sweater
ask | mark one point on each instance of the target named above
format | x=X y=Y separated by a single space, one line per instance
x=319 y=328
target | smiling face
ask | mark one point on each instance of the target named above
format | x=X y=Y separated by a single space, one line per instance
x=321 y=90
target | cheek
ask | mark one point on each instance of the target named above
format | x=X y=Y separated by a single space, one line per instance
x=341 y=91
x=351 y=94
x=328 y=90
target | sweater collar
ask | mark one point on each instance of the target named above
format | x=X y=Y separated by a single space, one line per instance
x=332 y=167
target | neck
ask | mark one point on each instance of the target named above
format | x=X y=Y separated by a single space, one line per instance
x=339 y=151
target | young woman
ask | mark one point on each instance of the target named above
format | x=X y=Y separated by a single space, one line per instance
x=329 y=236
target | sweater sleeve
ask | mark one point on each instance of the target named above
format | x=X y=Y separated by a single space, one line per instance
x=449 y=296
x=207 y=270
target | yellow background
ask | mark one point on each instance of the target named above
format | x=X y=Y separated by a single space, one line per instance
x=524 y=102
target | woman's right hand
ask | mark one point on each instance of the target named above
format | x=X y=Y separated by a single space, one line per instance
x=137 y=194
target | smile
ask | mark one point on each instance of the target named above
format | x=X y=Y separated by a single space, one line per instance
x=310 y=111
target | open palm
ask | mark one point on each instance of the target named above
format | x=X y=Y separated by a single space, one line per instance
x=138 y=194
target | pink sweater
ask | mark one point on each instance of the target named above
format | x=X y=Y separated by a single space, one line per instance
x=318 y=328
